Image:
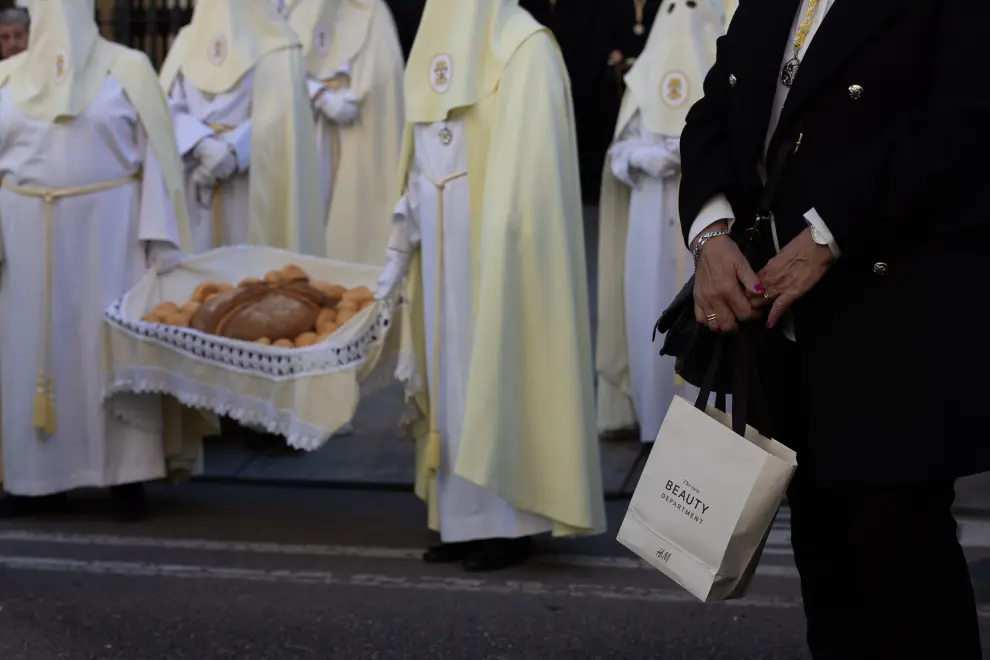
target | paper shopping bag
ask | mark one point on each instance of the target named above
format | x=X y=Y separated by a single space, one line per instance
x=706 y=500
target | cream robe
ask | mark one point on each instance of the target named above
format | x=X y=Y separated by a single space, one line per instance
x=466 y=510
x=656 y=266
x=359 y=188
x=99 y=246
x=642 y=262
x=193 y=113
x=276 y=200
x=327 y=141
x=520 y=365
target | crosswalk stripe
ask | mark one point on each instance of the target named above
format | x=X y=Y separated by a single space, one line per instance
x=357 y=552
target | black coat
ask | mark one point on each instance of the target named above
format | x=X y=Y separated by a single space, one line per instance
x=893 y=102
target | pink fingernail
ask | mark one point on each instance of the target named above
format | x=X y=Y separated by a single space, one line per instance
x=769 y=325
x=758 y=288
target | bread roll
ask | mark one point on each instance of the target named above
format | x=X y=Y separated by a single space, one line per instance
x=247 y=281
x=178 y=319
x=347 y=306
x=190 y=307
x=165 y=308
x=325 y=318
x=273 y=277
x=332 y=291
x=306 y=339
x=151 y=318
x=284 y=343
x=202 y=291
x=344 y=316
x=358 y=294
x=263 y=340
x=293 y=273
x=223 y=288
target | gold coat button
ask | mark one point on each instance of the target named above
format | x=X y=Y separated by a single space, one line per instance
x=855 y=91
x=732 y=80
x=880 y=268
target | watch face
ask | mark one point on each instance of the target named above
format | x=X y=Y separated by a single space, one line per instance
x=817 y=236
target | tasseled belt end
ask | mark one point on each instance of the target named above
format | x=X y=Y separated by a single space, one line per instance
x=433 y=450
x=43 y=412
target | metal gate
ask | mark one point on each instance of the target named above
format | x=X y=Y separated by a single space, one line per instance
x=151 y=25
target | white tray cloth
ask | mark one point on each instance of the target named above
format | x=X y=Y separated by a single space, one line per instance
x=304 y=394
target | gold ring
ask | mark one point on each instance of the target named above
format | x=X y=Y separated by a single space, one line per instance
x=711 y=318
x=766 y=295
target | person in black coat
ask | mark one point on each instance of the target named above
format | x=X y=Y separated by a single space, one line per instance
x=869 y=281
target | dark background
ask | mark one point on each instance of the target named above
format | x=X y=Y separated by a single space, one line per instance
x=587 y=31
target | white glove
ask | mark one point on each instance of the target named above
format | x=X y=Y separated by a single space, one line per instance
x=340 y=107
x=396 y=265
x=655 y=161
x=202 y=178
x=217 y=157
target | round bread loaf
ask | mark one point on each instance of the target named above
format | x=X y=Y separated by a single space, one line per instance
x=273 y=310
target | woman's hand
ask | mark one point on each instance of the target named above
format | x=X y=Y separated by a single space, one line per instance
x=793 y=272
x=726 y=290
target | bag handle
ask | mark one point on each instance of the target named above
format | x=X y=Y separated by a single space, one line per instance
x=745 y=367
x=741 y=379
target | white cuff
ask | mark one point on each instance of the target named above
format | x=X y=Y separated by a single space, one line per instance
x=314 y=87
x=815 y=220
x=717 y=208
x=189 y=132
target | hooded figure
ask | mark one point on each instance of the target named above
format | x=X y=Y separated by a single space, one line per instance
x=355 y=66
x=236 y=81
x=91 y=197
x=496 y=351
x=642 y=261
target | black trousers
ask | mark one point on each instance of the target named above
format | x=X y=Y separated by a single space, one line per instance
x=883 y=576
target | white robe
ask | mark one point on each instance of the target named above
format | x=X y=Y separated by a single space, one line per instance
x=466 y=511
x=657 y=266
x=327 y=135
x=193 y=111
x=100 y=243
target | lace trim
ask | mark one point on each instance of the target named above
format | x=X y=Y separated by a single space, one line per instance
x=245 y=409
x=278 y=364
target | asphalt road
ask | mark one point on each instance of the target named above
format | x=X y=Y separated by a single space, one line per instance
x=255 y=574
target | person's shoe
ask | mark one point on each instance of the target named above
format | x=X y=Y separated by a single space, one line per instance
x=448 y=553
x=18 y=506
x=497 y=554
x=129 y=503
x=345 y=430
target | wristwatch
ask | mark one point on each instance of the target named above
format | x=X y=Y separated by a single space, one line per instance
x=818 y=237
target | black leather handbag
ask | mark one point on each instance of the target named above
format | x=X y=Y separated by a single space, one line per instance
x=707 y=359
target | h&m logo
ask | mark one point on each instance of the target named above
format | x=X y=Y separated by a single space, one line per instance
x=663 y=555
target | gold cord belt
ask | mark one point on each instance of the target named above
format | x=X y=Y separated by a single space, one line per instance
x=43 y=413
x=433 y=441
x=219 y=129
x=335 y=84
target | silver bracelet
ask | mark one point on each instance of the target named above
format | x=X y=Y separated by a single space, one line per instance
x=696 y=253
